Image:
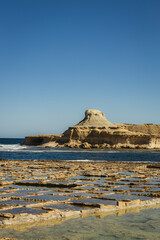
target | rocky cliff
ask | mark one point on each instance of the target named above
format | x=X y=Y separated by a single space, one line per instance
x=95 y=131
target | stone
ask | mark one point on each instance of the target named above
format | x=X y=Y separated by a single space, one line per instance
x=94 y=118
x=85 y=145
x=6 y=215
x=8 y=238
x=95 y=131
x=84 y=195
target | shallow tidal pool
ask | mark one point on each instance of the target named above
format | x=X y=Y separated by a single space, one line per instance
x=142 y=225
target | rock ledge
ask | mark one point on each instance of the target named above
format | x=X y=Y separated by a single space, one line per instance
x=95 y=131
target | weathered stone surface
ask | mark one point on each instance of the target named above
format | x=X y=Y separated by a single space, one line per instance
x=95 y=131
x=7 y=238
x=6 y=215
x=94 y=118
x=74 y=188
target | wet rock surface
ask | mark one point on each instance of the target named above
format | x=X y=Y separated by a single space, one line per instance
x=32 y=191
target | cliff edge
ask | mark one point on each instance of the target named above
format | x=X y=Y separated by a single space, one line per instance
x=95 y=131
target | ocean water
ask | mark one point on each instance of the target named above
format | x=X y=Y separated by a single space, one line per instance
x=10 y=148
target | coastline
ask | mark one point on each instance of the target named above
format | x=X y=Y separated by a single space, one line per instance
x=95 y=131
x=56 y=190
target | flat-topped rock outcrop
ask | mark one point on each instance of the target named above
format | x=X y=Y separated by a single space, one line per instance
x=95 y=131
x=94 y=118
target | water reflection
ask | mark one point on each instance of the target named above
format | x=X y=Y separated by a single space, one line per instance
x=142 y=225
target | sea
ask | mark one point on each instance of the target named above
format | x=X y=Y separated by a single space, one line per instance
x=11 y=149
x=136 y=225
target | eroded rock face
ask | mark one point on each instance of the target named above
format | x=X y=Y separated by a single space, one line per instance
x=95 y=131
x=94 y=118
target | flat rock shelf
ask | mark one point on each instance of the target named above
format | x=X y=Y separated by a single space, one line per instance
x=41 y=191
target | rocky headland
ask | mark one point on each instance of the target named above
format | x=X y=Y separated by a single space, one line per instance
x=95 y=131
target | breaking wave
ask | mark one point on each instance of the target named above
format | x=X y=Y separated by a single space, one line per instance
x=19 y=147
x=11 y=147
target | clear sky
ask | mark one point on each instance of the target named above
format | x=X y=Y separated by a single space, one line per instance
x=61 y=57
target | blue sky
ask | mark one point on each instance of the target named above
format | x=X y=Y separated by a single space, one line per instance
x=61 y=57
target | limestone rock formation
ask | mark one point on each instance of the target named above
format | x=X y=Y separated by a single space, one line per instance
x=95 y=131
x=94 y=118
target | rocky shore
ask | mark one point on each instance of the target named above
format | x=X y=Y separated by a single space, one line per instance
x=95 y=131
x=49 y=191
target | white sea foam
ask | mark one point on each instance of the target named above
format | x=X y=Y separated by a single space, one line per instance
x=83 y=160
x=11 y=147
x=18 y=147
